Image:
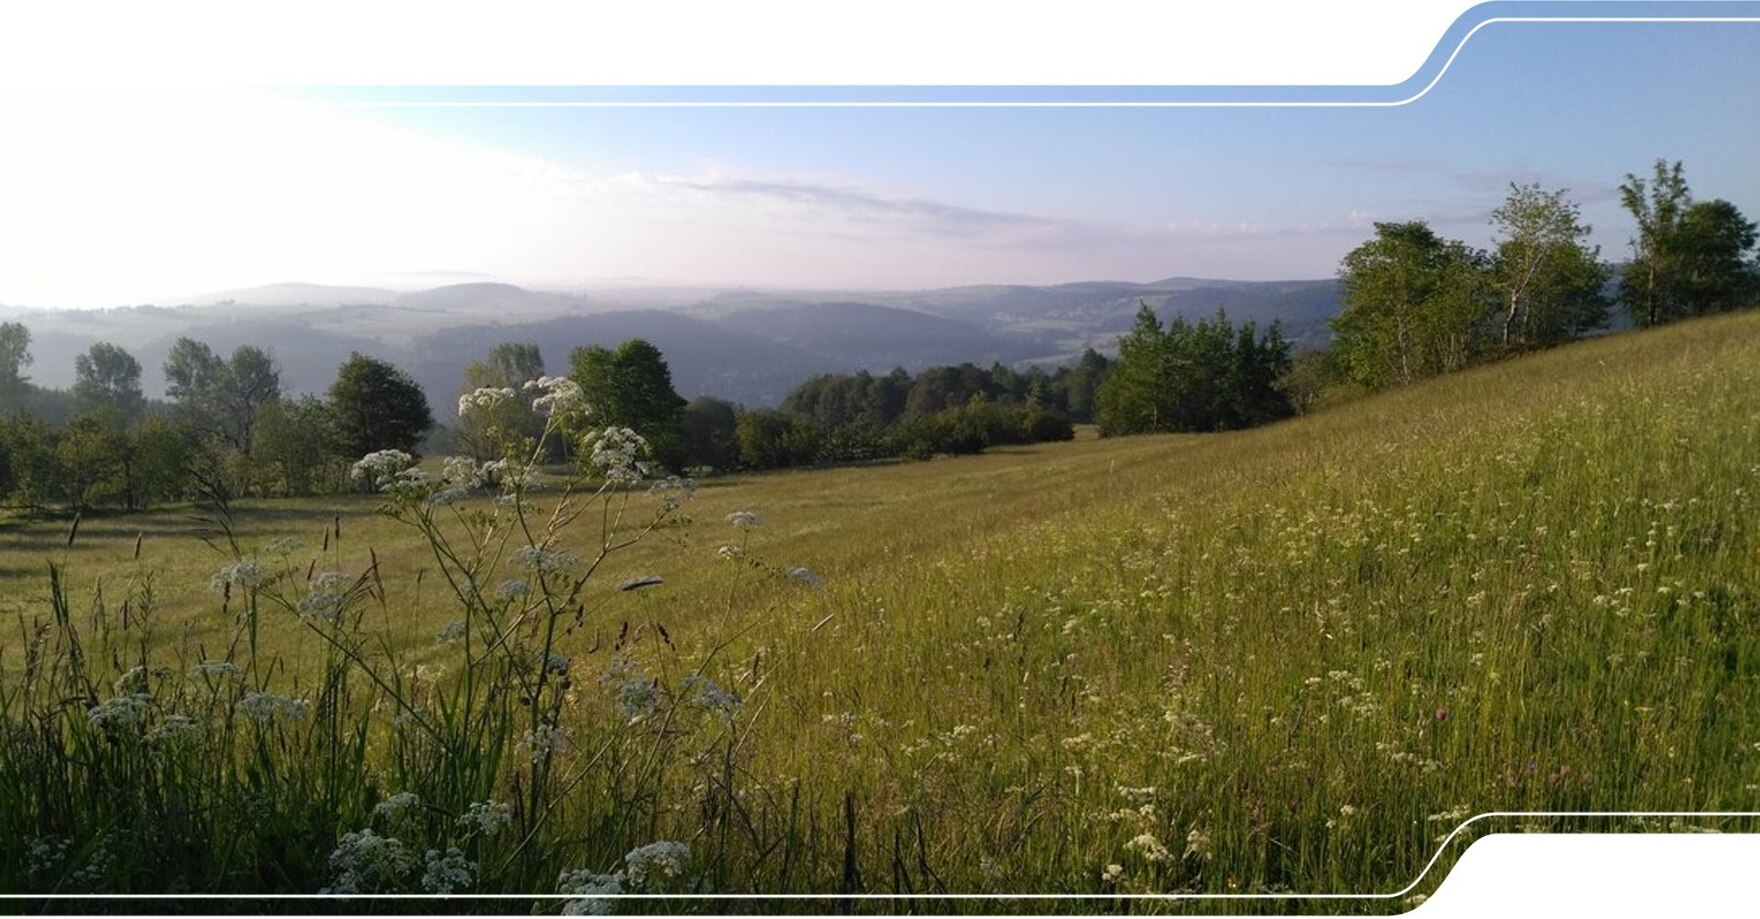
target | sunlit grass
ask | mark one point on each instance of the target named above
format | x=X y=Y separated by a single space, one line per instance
x=1288 y=659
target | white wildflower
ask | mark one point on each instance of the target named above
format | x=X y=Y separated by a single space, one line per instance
x=134 y=680
x=709 y=696
x=557 y=396
x=745 y=520
x=397 y=804
x=365 y=862
x=545 y=740
x=267 y=707
x=451 y=633
x=513 y=588
x=656 y=861
x=380 y=469
x=616 y=454
x=1197 y=844
x=450 y=872
x=246 y=572
x=328 y=596
x=214 y=668
x=544 y=560
x=635 y=693
x=1112 y=874
x=483 y=398
x=593 y=888
x=806 y=576
x=1150 y=847
x=120 y=711
x=672 y=491
x=282 y=545
x=486 y=818
x=730 y=553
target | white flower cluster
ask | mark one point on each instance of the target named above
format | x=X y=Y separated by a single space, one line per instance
x=655 y=862
x=448 y=872
x=806 y=576
x=483 y=398
x=364 y=862
x=382 y=469
x=121 y=711
x=709 y=696
x=672 y=491
x=592 y=888
x=247 y=573
x=174 y=728
x=558 y=396
x=635 y=693
x=327 y=598
x=267 y=707
x=616 y=454
x=282 y=545
x=745 y=520
x=544 y=740
x=513 y=589
x=214 y=668
x=397 y=804
x=544 y=560
x=486 y=818
x=451 y=633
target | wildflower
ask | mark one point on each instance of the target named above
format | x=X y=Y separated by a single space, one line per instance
x=556 y=663
x=212 y=668
x=282 y=545
x=448 y=873
x=134 y=679
x=397 y=804
x=730 y=553
x=1150 y=847
x=483 y=398
x=381 y=468
x=745 y=520
x=615 y=453
x=544 y=560
x=451 y=633
x=806 y=576
x=544 y=740
x=486 y=818
x=708 y=695
x=672 y=491
x=175 y=727
x=592 y=887
x=246 y=572
x=635 y=693
x=328 y=596
x=656 y=861
x=512 y=588
x=557 y=396
x=364 y=861
x=121 y=711
x=267 y=707
x=1112 y=874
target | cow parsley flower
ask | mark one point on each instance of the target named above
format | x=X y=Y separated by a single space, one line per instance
x=451 y=633
x=709 y=696
x=247 y=573
x=398 y=804
x=632 y=689
x=120 y=711
x=616 y=454
x=593 y=888
x=806 y=576
x=745 y=520
x=214 y=668
x=656 y=861
x=483 y=399
x=545 y=740
x=174 y=728
x=381 y=468
x=327 y=598
x=448 y=872
x=486 y=818
x=364 y=862
x=557 y=396
x=267 y=707
x=544 y=560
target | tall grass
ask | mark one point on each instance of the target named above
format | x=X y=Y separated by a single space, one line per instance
x=1284 y=660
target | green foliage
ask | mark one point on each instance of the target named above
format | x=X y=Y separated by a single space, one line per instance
x=632 y=387
x=15 y=355
x=221 y=397
x=1688 y=258
x=299 y=447
x=376 y=406
x=769 y=439
x=1206 y=376
x=1543 y=271
x=509 y=366
x=92 y=454
x=709 y=433
x=108 y=376
x=1415 y=305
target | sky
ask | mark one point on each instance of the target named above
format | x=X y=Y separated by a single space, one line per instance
x=153 y=198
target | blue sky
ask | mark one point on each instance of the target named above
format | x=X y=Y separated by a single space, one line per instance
x=890 y=197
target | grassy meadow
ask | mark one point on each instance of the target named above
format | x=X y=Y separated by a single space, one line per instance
x=1284 y=660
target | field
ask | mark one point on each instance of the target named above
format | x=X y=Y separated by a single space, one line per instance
x=1283 y=660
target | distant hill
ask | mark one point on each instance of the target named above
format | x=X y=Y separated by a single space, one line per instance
x=745 y=344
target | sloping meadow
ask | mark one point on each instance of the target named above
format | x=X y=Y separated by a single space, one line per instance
x=1288 y=660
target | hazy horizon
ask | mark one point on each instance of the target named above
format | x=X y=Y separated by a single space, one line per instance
x=151 y=200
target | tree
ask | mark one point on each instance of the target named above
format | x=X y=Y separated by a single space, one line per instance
x=377 y=407
x=1650 y=286
x=1414 y=306
x=106 y=375
x=1543 y=271
x=632 y=387
x=158 y=467
x=1715 y=240
x=709 y=434
x=221 y=397
x=15 y=355
x=92 y=455
x=1133 y=397
x=297 y=442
